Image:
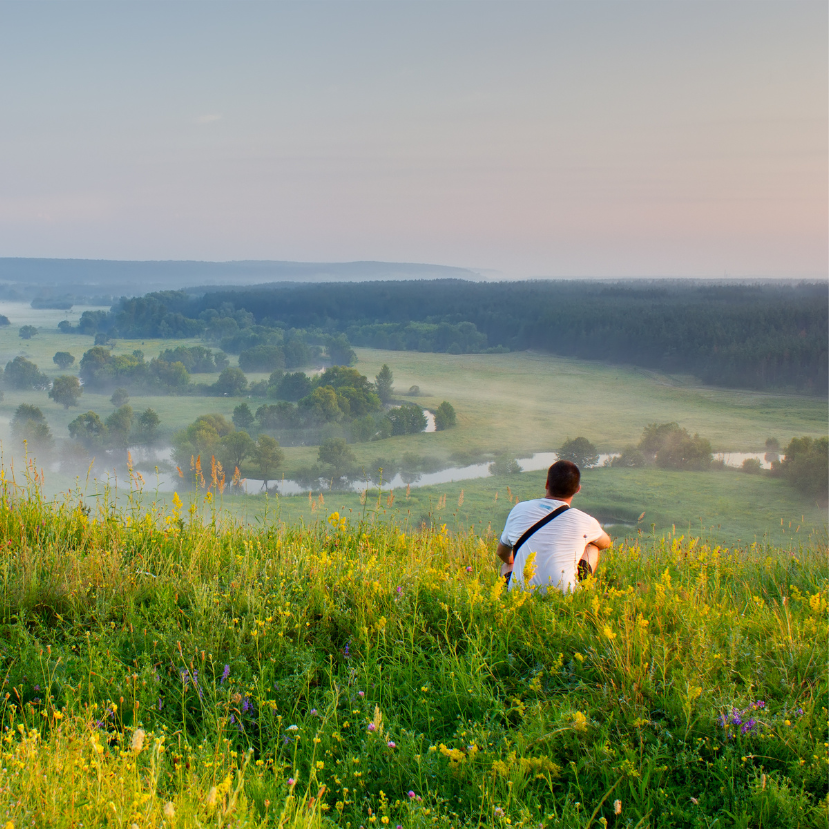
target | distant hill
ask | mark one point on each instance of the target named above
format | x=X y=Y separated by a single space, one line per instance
x=105 y=278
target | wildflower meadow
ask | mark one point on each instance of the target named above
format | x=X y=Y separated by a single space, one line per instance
x=174 y=668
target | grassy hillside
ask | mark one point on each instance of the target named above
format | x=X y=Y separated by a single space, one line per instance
x=176 y=669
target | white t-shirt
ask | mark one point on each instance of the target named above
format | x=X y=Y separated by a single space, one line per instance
x=558 y=545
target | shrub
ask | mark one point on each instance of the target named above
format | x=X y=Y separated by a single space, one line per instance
x=580 y=451
x=445 y=417
x=504 y=465
x=751 y=466
x=63 y=359
x=66 y=390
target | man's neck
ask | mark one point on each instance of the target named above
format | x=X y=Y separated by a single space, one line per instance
x=567 y=501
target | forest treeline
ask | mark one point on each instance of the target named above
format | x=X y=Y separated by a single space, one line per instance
x=747 y=335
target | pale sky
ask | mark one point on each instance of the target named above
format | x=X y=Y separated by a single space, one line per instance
x=577 y=138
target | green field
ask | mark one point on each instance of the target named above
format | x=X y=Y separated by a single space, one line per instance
x=519 y=403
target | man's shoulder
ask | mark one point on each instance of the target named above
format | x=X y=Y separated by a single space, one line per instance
x=579 y=515
x=533 y=505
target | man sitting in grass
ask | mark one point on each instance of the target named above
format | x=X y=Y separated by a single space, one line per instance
x=546 y=542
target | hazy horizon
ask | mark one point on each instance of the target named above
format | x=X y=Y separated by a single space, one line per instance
x=543 y=140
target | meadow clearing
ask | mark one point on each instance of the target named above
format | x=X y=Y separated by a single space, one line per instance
x=177 y=669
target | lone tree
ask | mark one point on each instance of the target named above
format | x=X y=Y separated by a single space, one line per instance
x=24 y=374
x=120 y=397
x=383 y=383
x=148 y=422
x=243 y=417
x=340 y=351
x=232 y=382
x=63 y=359
x=445 y=417
x=336 y=455
x=234 y=448
x=580 y=451
x=268 y=457
x=119 y=426
x=89 y=430
x=27 y=332
x=29 y=424
x=66 y=390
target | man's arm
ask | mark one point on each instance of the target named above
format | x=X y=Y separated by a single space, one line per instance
x=603 y=541
x=505 y=553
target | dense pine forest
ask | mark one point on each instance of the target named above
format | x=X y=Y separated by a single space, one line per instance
x=757 y=336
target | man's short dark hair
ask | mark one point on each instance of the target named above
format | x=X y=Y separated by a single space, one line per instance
x=563 y=479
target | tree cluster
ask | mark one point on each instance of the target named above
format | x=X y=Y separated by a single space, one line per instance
x=196 y=359
x=101 y=370
x=805 y=466
x=212 y=436
x=121 y=429
x=667 y=446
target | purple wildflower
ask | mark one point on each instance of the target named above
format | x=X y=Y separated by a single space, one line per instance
x=748 y=725
x=391 y=744
x=246 y=706
x=372 y=726
x=411 y=795
x=361 y=693
x=291 y=781
x=313 y=712
x=469 y=569
x=160 y=704
x=225 y=675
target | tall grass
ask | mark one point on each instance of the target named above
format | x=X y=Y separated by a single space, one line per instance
x=174 y=668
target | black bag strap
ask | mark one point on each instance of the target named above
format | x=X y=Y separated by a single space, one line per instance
x=538 y=525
